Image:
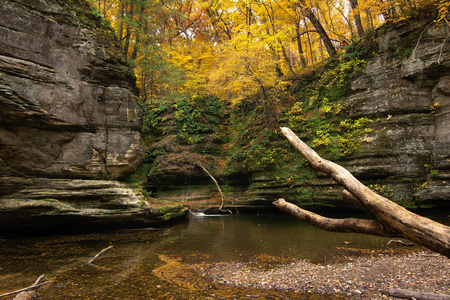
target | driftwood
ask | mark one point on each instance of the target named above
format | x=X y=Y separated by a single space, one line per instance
x=408 y=294
x=390 y=220
x=218 y=187
x=24 y=293
x=30 y=294
x=400 y=242
x=91 y=262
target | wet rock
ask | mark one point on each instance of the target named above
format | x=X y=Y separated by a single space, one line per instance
x=56 y=205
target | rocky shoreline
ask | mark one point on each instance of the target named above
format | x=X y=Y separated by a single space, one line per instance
x=361 y=277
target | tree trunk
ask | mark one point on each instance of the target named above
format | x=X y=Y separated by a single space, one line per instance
x=310 y=45
x=318 y=26
x=357 y=17
x=120 y=16
x=391 y=219
x=299 y=45
x=141 y=28
x=128 y=31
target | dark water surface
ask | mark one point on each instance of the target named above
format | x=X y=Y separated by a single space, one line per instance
x=234 y=237
x=126 y=271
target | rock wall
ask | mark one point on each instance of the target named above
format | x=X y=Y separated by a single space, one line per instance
x=67 y=116
x=67 y=105
x=404 y=90
x=409 y=100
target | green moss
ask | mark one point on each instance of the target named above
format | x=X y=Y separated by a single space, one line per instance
x=50 y=200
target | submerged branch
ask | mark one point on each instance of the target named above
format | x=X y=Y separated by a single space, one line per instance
x=35 y=285
x=98 y=254
x=218 y=187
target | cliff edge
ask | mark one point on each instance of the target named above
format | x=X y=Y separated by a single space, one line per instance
x=69 y=123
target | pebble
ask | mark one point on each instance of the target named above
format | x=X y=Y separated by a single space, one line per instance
x=361 y=278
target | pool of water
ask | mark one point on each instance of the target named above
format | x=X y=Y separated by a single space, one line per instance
x=236 y=237
x=126 y=271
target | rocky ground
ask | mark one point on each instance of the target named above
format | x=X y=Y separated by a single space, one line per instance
x=357 y=277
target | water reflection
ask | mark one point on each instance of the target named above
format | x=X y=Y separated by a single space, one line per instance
x=127 y=269
x=235 y=237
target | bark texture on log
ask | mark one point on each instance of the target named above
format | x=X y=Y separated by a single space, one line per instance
x=408 y=294
x=391 y=218
x=338 y=225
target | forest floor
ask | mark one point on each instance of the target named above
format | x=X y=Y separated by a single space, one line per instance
x=354 y=277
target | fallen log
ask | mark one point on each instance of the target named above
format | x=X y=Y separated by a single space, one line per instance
x=408 y=294
x=391 y=219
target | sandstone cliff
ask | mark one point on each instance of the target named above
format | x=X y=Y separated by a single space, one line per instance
x=403 y=91
x=69 y=123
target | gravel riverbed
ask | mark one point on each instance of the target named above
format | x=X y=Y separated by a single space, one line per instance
x=357 y=277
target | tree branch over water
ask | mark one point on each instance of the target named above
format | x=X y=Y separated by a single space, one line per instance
x=391 y=219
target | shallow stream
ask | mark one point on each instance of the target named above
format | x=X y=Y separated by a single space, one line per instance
x=127 y=271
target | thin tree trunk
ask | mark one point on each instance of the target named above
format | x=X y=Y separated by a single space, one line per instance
x=357 y=17
x=120 y=16
x=391 y=218
x=349 y=23
x=299 y=46
x=318 y=26
x=138 y=33
x=310 y=45
x=144 y=85
x=128 y=31
x=271 y=17
x=369 y=19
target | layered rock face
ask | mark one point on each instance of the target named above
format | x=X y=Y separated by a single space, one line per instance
x=67 y=107
x=404 y=91
x=68 y=113
x=409 y=100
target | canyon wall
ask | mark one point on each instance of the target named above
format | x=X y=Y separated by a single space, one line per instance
x=69 y=123
x=403 y=91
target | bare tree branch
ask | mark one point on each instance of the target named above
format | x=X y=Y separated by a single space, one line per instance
x=336 y=225
x=218 y=187
x=100 y=253
x=35 y=285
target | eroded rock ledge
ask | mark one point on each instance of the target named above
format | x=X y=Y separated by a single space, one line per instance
x=68 y=113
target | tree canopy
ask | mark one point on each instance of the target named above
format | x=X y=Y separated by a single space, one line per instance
x=237 y=48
